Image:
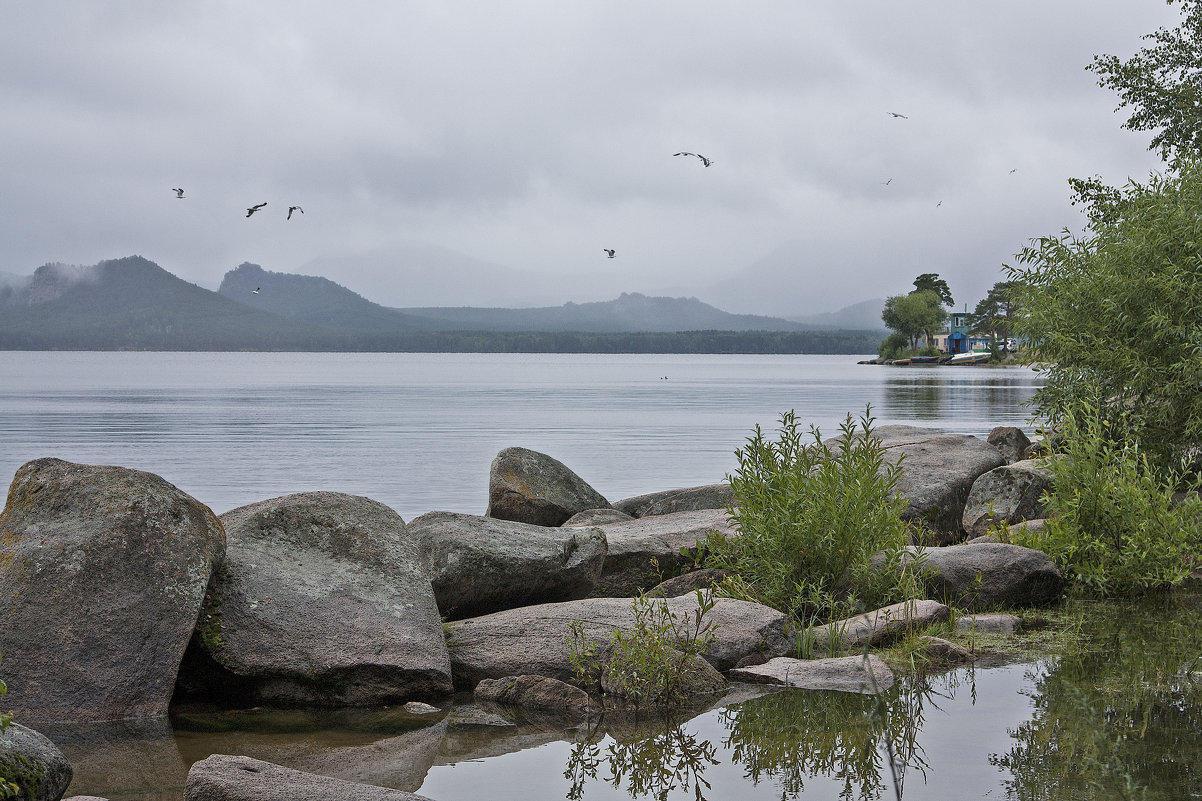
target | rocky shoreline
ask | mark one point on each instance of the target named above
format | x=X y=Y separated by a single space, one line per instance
x=129 y=596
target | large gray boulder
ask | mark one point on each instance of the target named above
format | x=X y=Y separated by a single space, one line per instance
x=531 y=487
x=1006 y=495
x=689 y=499
x=988 y=575
x=481 y=564
x=645 y=551
x=322 y=600
x=224 y=777
x=537 y=693
x=102 y=572
x=1011 y=442
x=534 y=639
x=867 y=674
x=938 y=471
x=30 y=761
x=877 y=628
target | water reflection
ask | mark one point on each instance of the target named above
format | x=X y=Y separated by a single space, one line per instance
x=651 y=764
x=1119 y=714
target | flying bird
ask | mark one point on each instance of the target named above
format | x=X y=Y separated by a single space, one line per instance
x=292 y=209
x=1014 y=171
x=255 y=208
x=609 y=252
x=886 y=183
x=178 y=192
x=706 y=161
x=896 y=115
x=255 y=291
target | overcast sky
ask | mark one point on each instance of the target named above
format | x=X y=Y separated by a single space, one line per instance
x=533 y=134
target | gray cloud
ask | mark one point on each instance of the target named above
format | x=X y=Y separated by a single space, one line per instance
x=532 y=134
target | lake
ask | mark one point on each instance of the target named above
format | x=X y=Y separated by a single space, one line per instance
x=418 y=432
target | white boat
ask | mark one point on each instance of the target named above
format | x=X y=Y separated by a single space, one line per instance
x=971 y=357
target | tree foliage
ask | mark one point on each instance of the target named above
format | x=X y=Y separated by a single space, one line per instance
x=994 y=313
x=1162 y=85
x=1113 y=317
x=931 y=282
x=919 y=313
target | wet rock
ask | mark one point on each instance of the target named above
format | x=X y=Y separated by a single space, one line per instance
x=479 y=565
x=595 y=517
x=530 y=487
x=535 y=639
x=690 y=499
x=538 y=693
x=323 y=600
x=940 y=653
x=687 y=583
x=988 y=575
x=1010 y=442
x=877 y=628
x=223 y=777
x=696 y=678
x=850 y=674
x=1006 y=495
x=102 y=571
x=644 y=551
x=938 y=471
x=988 y=623
x=33 y=763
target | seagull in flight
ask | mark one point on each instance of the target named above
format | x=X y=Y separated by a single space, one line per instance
x=895 y=115
x=940 y=203
x=706 y=161
x=1014 y=171
x=179 y=193
x=292 y=209
x=609 y=252
x=255 y=291
x=255 y=208
x=886 y=183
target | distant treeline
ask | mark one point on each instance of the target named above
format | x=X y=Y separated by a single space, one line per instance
x=765 y=342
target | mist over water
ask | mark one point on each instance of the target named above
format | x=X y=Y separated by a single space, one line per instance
x=418 y=431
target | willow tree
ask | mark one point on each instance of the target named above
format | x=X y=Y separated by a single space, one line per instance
x=1113 y=316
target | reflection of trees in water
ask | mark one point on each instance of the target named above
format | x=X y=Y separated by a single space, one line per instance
x=651 y=764
x=922 y=399
x=944 y=397
x=790 y=736
x=796 y=735
x=1118 y=715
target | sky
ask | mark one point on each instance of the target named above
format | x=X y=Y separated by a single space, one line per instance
x=457 y=153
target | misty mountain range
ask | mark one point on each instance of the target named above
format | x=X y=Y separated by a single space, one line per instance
x=132 y=303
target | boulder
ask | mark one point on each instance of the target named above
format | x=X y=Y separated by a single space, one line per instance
x=645 y=551
x=222 y=777
x=530 y=487
x=537 y=693
x=988 y=575
x=535 y=639
x=988 y=623
x=1010 y=442
x=941 y=653
x=875 y=629
x=689 y=499
x=30 y=761
x=322 y=600
x=1006 y=495
x=938 y=471
x=595 y=517
x=480 y=564
x=102 y=572
x=867 y=674
x=704 y=579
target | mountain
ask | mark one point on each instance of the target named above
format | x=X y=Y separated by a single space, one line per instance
x=314 y=299
x=133 y=304
x=864 y=316
x=629 y=312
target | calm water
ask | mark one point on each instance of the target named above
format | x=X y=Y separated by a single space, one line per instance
x=418 y=431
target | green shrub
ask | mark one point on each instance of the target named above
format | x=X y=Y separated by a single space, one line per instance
x=1113 y=527
x=809 y=516
x=648 y=662
x=894 y=346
